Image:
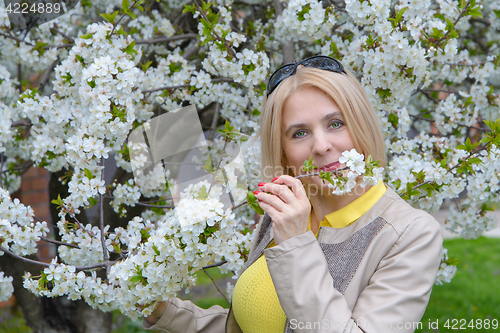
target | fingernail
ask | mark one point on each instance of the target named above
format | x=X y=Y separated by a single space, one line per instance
x=275 y=179
x=261 y=184
x=256 y=192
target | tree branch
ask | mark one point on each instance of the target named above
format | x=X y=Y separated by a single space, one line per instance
x=454 y=23
x=44 y=264
x=62 y=34
x=289 y=46
x=53 y=241
x=166 y=39
x=184 y=85
x=213 y=127
x=215 y=284
x=121 y=17
x=230 y=49
x=105 y=253
x=15 y=38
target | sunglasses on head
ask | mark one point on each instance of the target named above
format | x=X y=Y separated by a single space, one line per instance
x=320 y=62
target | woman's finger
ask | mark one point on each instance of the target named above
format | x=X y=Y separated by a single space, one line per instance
x=281 y=191
x=270 y=199
x=295 y=184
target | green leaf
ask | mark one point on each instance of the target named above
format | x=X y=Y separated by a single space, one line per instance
x=110 y=17
x=203 y=193
x=88 y=173
x=80 y=59
x=254 y=203
x=474 y=160
x=452 y=261
x=131 y=14
x=93 y=201
x=394 y=120
x=308 y=165
x=59 y=202
x=208 y=165
x=121 y=31
x=188 y=9
x=146 y=65
x=136 y=278
x=87 y=36
x=130 y=48
x=125 y=5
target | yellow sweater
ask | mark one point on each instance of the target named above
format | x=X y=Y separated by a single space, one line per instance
x=255 y=303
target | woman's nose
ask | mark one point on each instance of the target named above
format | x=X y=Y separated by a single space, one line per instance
x=321 y=145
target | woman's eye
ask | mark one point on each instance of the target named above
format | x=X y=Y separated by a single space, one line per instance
x=336 y=124
x=298 y=134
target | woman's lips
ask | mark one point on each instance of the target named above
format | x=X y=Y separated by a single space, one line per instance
x=330 y=167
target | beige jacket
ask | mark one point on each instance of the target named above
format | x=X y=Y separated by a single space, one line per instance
x=373 y=276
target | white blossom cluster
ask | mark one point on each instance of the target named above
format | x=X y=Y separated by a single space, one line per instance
x=162 y=256
x=446 y=271
x=357 y=167
x=18 y=231
x=305 y=20
x=6 y=287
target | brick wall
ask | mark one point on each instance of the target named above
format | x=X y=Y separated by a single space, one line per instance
x=34 y=192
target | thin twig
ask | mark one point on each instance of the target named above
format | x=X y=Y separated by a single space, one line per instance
x=218 y=165
x=233 y=52
x=23 y=122
x=105 y=253
x=121 y=17
x=215 y=284
x=1 y=172
x=62 y=34
x=62 y=46
x=145 y=204
x=213 y=127
x=15 y=38
x=23 y=166
x=454 y=23
x=453 y=167
x=166 y=39
x=461 y=125
x=184 y=85
x=217 y=264
x=317 y=173
x=53 y=241
x=44 y=264
x=73 y=216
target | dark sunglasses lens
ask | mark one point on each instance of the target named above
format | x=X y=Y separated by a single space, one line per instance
x=324 y=63
x=278 y=76
x=320 y=62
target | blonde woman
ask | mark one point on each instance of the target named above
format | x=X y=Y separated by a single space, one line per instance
x=361 y=262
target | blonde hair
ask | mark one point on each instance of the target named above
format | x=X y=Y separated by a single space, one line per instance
x=345 y=91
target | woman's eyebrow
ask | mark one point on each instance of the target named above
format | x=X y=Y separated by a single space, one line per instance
x=324 y=118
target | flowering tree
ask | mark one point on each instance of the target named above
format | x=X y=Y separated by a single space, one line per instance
x=106 y=68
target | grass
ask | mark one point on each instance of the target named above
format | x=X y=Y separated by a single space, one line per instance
x=473 y=294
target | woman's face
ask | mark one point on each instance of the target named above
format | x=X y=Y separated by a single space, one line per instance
x=313 y=126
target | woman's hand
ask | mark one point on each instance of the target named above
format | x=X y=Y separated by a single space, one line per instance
x=289 y=209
